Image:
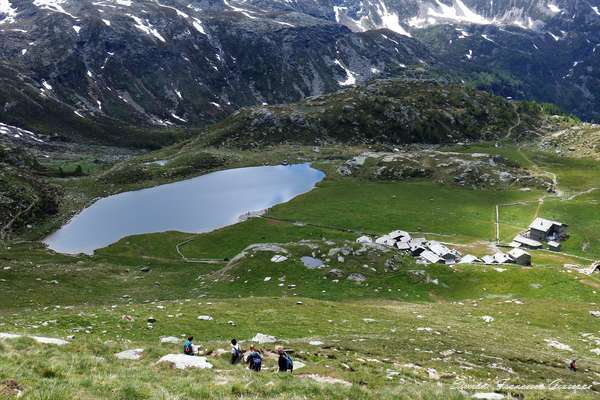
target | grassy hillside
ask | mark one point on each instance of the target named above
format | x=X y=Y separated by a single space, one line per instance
x=24 y=196
x=387 y=111
x=407 y=331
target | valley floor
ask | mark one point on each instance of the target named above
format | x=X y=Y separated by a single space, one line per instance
x=407 y=331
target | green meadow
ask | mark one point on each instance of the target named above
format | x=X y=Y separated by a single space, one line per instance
x=407 y=331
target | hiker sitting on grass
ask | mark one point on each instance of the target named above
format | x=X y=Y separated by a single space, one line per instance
x=254 y=359
x=236 y=352
x=573 y=365
x=285 y=361
x=188 y=346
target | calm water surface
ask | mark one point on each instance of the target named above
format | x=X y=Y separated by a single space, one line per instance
x=195 y=205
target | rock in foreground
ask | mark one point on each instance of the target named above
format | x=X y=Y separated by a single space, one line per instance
x=183 y=361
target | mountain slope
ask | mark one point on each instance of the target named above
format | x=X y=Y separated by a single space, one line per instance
x=24 y=196
x=88 y=68
x=388 y=111
x=154 y=64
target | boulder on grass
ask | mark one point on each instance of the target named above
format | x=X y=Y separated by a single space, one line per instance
x=183 y=361
x=133 y=354
x=262 y=338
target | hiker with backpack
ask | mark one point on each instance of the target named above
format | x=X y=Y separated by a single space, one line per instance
x=236 y=352
x=188 y=346
x=285 y=361
x=254 y=359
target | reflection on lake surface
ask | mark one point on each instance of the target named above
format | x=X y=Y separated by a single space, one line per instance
x=199 y=204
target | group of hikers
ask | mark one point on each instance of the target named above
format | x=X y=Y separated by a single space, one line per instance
x=253 y=357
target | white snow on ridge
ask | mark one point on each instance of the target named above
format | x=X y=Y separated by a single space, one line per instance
x=240 y=10
x=47 y=85
x=178 y=117
x=463 y=34
x=19 y=134
x=76 y=29
x=198 y=25
x=596 y=10
x=179 y=12
x=53 y=5
x=486 y=37
x=437 y=12
x=110 y=3
x=390 y=20
x=350 y=76
x=458 y=11
x=557 y=38
x=8 y=11
x=146 y=27
x=554 y=8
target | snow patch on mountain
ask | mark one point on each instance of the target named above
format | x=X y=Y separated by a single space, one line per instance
x=7 y=12
x=146 y=27
x=18 y=133
x=458 y=12
x=554 y=8
x=178 y=117
x=350 y=76
x=198 y=25
x=390 y=20
x=53 y=5
x=243 y=11
x=555 y=37
x=179 y=12
x=380 y=17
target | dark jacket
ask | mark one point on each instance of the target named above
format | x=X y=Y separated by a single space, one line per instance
x=285 y=363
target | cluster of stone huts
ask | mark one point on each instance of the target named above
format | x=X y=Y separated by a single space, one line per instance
x=434 y=252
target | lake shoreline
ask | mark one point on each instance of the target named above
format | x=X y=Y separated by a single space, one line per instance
x=184 y=206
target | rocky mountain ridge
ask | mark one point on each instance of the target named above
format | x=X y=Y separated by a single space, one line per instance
x=85 y=70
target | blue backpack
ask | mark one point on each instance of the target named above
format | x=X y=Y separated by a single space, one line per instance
x=255 y=361
x=289 y=361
